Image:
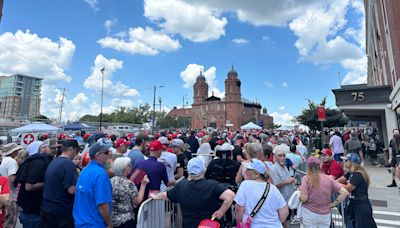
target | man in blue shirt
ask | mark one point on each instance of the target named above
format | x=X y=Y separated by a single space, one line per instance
x=59 y=188
x=155 y=170
x=93 y=197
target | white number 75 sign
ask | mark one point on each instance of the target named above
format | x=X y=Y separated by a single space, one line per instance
x=358 y=96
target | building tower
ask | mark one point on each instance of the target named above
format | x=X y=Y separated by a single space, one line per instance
x=232 y=87
x=233 y=99
x=200 y=90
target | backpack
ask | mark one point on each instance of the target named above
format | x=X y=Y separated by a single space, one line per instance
x=22 y=172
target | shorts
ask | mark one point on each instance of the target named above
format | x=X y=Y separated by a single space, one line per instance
x=393 y=163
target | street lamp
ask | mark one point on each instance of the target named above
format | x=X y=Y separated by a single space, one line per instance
x=102 y=91
x=154 y=108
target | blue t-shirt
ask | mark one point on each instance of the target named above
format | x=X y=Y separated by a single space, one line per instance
x=135 y=156
x=156 y=172
x=93 y=189
x=59 y=176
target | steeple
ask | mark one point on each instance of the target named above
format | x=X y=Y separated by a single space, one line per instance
x=232 y=86
x=200 y=89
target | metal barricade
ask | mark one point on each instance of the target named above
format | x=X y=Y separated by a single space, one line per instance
x=298 y=175
x=159 y=213
x=337 y=214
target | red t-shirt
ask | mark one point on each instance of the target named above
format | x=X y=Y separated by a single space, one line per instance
x=4 y=189
x=332 y=168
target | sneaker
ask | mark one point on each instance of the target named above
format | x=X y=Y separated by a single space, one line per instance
x=393 y=184
x=295 y=221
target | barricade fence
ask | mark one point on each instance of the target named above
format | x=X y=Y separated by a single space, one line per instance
x=159 y=213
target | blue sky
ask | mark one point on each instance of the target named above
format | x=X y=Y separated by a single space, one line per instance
x=284 y=51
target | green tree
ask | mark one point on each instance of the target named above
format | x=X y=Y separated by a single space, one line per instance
x=135 y=115
x=309 y=116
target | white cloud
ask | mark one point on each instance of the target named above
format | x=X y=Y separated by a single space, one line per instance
x=285 y=84
x=109 y=23
x=284 y=119
x=80 y=98
x=141 y=41
x=111 y=88
x=191 y=72
x=195 y=23
x=265 y=38
x=260 y=12
x=93 y=4
x=240 y=41
x=268 y=84
x=320 y=40
x=281 y=108
x=27 y=53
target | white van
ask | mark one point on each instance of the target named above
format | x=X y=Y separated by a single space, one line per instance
x=122 y=128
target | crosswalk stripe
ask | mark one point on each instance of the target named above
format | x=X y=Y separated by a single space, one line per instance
x=385 y=221
x=386 y=226
x=386 y=213
x=378 y=221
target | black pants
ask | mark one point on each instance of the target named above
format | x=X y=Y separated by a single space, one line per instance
x=57 y=221
x=128 y=224
x=360 y=214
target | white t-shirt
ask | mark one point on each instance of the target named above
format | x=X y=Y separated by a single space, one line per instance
x=8 y=167
x=248 y=195
x=170 y=162
x=302 y=149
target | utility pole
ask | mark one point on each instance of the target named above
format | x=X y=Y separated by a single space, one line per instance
x=154 y=109
x=159 y=101
x=62 y=103
x=5 y=105
x=102 y=93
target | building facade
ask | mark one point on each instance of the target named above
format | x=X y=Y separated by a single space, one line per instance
x=232 y=111
x=20 y=96
x=377 y=102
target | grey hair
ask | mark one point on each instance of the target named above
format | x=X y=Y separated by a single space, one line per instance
x=194 y=177
x=120 y=164
x=253 y=149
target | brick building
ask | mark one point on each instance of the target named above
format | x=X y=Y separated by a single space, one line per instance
x=378 y=101
x=232 y=111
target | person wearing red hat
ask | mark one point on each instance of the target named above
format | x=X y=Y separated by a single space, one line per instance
x=330 y=166
x=121 y=147
x=155 y=170
x=86 y=137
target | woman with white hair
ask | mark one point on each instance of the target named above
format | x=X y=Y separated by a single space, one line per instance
x=125 y=194
x=205 y=153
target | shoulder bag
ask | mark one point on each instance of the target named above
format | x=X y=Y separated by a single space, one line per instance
x=258 y=206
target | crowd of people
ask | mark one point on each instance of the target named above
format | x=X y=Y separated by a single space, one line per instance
x=60 y=182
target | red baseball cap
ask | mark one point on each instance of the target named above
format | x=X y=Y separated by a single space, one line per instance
x=155 y=145
x=327 y=151
x=121 y=142
x=86 y=136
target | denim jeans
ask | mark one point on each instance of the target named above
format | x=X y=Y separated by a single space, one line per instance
x=30 y=220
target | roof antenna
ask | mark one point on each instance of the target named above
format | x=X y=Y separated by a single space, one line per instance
x=340 y=80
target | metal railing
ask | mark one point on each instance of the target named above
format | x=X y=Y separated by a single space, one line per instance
x=159 y=213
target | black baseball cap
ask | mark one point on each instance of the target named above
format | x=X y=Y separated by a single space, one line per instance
x=69 y=143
